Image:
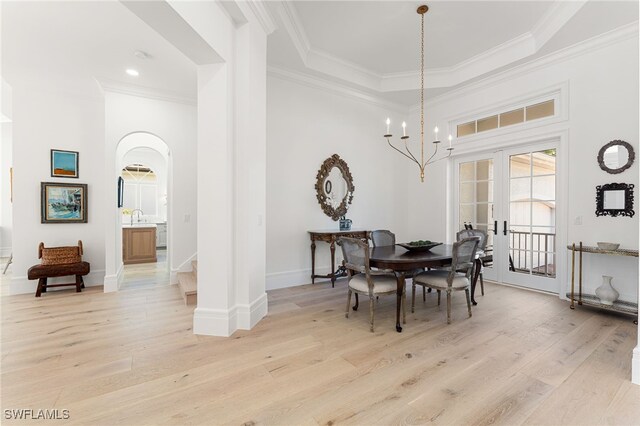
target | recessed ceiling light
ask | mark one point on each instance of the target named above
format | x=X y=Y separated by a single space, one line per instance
x=132 y=72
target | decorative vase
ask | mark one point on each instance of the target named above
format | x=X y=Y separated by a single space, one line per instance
x=606 y=293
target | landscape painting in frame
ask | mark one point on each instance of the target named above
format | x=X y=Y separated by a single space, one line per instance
x=64 y=163
x=63 y=202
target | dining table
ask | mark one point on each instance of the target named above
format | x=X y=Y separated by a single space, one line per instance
x=403 y=262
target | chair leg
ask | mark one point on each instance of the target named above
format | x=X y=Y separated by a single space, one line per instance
x=448 y=307
x=41 y=284
x=466 y=290
x=438 y=297
x=371 y=312
x=413 y=298
x=404 y=314
x=481 y=284
x=78 y=283
x=424 y=294
x=346 y=314
x=355 y=307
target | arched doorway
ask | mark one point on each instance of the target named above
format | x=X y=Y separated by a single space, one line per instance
x=144 y=171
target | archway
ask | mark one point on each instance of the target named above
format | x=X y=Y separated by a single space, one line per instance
x=145 y=159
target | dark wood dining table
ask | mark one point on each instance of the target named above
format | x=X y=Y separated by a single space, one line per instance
x=402 y=262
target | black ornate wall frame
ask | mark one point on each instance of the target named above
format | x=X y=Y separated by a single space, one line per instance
x=628 y=200
x=323 y=199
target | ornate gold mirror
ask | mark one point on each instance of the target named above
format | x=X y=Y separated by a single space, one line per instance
x=334 y=187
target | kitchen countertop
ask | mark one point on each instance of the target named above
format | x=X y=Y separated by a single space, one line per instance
x=140 y=225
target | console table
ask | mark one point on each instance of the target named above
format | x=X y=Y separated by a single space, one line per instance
x=592 y=299
x=331 y=236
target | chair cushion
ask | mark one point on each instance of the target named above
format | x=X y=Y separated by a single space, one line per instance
x=381 y=283
x=438 y=279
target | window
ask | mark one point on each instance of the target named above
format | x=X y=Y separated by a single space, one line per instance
x=509 y=118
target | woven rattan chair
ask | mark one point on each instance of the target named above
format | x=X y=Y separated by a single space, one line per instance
x=452 y=280
x=484 y=259
x=362 y=280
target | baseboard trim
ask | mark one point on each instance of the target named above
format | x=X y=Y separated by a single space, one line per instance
x=112 y=282
x=249 y=315
x=285 y=279
x=635 y=366
x=214 y=322
x=22 y=285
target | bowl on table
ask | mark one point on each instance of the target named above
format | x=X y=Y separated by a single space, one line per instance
x=421 y=245
x=608 y=246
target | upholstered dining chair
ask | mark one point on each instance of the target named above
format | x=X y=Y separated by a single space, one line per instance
x=383 y=237
x=365 y=281
x=457 y=278
x=484 y=259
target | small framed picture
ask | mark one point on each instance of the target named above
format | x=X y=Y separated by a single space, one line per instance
x=64 y=163
x=63 y=202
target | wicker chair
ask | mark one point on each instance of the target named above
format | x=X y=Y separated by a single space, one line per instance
x=484 y=258
x=383 y=237
x=365 y=281
x=452 y=280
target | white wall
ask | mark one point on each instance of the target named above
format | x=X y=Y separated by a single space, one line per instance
x=43 y=120
x=175 y=124
x=6 y=216
x=305 y=126
x=602 y=106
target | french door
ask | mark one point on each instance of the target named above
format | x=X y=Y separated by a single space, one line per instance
x=511 y=195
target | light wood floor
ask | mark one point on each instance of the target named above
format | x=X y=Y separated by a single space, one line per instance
x=146 y=274
x=130 y=358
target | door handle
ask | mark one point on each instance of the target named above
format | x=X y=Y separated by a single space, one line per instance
x=504 y=228
x=495 y=227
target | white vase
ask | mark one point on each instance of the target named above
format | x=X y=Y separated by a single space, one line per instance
x=606 y=293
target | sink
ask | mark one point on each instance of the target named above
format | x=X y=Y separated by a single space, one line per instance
x=139 y=225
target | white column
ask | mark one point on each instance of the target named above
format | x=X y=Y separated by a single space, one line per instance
x=215 y=313
x=250 y=173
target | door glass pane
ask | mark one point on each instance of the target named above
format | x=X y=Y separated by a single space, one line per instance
x=544 y=162
x=482 y=215
x=466 y=192
x=544 y=187
x=482 y=192
x=520 y=189
x=467 y=172
x=484 y=170
x=520 y=165
x=466 y=213
x=532 y=213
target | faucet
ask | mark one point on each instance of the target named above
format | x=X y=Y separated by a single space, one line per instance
x=139 y=213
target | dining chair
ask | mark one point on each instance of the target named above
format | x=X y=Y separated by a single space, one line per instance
x=383 y=237
x=452 y=280
x=482 y=257
x=365 y=281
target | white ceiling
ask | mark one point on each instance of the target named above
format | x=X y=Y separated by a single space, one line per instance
x=71 y=43
x=369 y=46
x=384 y=36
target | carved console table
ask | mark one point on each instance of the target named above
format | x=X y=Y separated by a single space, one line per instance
x=331 y=236
x=591 y=299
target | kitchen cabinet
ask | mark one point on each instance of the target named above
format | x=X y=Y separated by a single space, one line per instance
x=139 y=244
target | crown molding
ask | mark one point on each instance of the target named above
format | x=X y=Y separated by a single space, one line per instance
x=263 y=16
x=108 y=85
x=318 y=83
x=511 y=51
x=581 y=48
x=555 y=18
x=294 y=28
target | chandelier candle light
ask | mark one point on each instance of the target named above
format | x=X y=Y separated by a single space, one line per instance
x=432 y=159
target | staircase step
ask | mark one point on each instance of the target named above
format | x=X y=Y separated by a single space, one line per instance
x=188 y=287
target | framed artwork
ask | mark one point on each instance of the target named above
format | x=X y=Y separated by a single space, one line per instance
x=64 y=163
x=120 y=191
x=63 y=202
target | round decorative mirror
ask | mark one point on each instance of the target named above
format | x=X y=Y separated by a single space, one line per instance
x=334 y=187
x=616 y=157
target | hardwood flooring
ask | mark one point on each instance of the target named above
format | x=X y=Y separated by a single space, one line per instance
x=131 y=358
x=146 y=274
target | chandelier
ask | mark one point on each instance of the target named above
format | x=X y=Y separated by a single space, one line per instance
x=432 y=159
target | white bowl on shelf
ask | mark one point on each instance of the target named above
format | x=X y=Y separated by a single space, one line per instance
x=608 y=246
